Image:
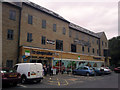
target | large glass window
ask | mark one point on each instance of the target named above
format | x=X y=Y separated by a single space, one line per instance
x=10 y=35
x=73 y=48
x=59 y=45
x=12 y=15
x=43 y=23
x=30 y=19
x=29 y=37
x=43 y=40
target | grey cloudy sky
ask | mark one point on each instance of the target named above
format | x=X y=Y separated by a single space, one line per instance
x=94 y=15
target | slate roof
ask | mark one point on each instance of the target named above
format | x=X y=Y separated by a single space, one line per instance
x=81 y=29
x=45 y=10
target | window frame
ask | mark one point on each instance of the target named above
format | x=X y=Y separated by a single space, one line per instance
x=12 y=15
x=43 y=40
x=30 y=19
x=10 y=34
x=44 y=24
x=54 y=27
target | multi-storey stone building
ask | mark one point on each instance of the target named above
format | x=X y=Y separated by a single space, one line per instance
x=31 y=33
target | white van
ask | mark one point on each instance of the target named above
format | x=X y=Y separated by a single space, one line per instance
x=30 y=71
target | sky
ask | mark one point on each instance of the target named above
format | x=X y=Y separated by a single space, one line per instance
x=94 y=15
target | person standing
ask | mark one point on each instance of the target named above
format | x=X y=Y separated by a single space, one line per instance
x=45 y=70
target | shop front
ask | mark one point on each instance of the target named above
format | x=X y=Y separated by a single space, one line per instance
x=58 y=59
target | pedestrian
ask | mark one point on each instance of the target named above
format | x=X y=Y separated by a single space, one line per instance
x=45 y=70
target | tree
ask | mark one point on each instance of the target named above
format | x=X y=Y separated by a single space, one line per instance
x=114 y=50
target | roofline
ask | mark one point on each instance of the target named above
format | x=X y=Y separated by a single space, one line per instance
x=45 y=12
x=85 y=32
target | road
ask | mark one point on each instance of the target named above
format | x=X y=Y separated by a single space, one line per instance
x=73 y=81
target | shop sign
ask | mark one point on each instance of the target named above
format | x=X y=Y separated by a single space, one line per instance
x=50 y=42
x=27 y=52
x=81 y=42
x=98 y=58
x=79 y=57
x=41 y=53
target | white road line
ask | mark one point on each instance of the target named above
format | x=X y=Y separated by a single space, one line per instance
x=21 y=85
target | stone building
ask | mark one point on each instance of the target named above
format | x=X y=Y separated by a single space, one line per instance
x=31 y=33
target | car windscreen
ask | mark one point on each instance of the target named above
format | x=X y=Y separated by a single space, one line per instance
x=8 y=71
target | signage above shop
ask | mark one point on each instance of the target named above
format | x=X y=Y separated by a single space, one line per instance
x=50 y=42
x=27 y=53
x=41 y=53
x=98 y=58
x=81 y=42
x=79 y=57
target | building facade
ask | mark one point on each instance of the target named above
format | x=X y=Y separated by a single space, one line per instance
x=31 y=33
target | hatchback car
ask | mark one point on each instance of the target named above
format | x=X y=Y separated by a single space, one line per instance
x=10 y=76
x=85 y=70
x=117 y=69
x=106 y=70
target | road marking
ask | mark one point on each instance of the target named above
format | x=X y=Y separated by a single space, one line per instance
x=58 y=83
x=66 y=82
x=21 y=85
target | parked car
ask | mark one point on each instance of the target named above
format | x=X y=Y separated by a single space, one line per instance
x=10 y=76
x=106 y=70
x=30 y=72
x=85 y=70
x=117 y=69
x=99 y=71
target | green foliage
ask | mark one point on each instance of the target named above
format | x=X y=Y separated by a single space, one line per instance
x=114 y=48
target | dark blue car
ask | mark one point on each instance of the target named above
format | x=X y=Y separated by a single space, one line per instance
x=85 y=70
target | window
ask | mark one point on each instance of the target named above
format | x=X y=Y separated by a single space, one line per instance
x=102 y=43
x=30 y=19
x=43 y=40
x=29 y=37
x=10 y=35
x=9 y=63
x=97 y=42
x=76 y=35
x=12 y=15
x=88 y=49
x=97 y=51
x=83 y=48
x=93 y=50
x=70 y=33
x=59 y=45
x=43 y=23
x=64 y=30
x=54 y=27
x=73 y=48
x=105 y=44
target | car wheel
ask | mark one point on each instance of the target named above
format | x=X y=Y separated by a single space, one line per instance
x=74 y=73
x=87 y=74
x=23 y=80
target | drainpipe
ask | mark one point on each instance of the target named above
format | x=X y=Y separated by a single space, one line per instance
x=18 y=56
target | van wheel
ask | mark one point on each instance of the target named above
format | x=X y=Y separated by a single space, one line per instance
x=23 y=80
